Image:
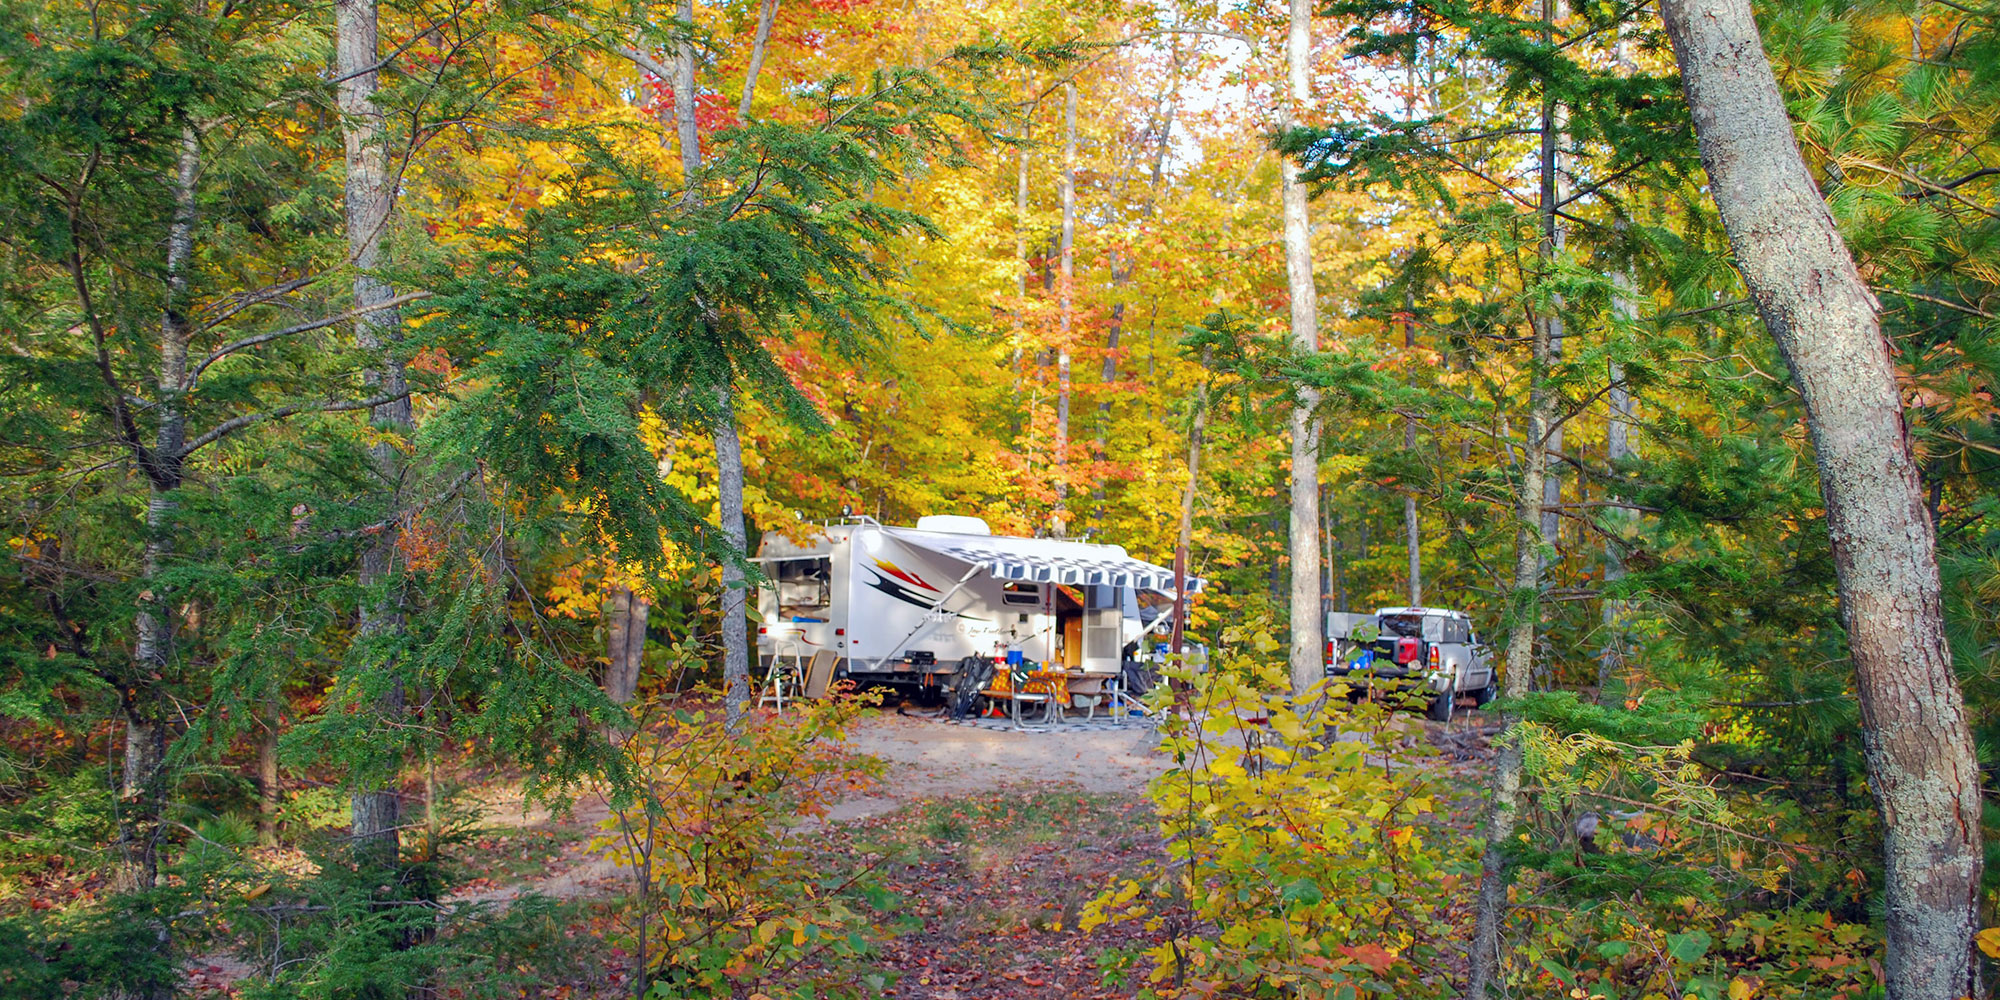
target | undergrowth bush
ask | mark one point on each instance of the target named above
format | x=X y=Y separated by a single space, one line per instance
x=725 y=901
x=1305 y=853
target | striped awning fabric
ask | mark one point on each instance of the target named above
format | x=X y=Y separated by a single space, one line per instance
x=1048 y=560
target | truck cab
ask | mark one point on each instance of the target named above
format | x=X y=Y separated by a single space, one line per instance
x=1418 y=648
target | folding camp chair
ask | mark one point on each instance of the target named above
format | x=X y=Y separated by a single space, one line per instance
x=819 y=674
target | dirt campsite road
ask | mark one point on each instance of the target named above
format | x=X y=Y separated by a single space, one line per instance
x=924 y=759
x=931 y=759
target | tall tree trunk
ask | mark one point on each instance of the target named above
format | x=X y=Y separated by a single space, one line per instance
x=1020 y=255
x=733 y=604
x=370 y=195
x=1825 y=321
x=1308 y=666
x=270 y=794
x=1555 y=234
x=1184 y=538
x=1413 y=535
x=1065 y=293
x=766 y=13
x=625 y=644
x=1336 y=553
x=1533 y=535
x=735 y=596
x=1617 y=448
x=684 y=102
x=143 y=785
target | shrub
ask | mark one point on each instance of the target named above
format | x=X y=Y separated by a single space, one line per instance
x=1303 y=846
x=724 y=900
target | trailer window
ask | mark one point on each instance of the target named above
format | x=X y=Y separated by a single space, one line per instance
x=805 y=588
x=1022 y=593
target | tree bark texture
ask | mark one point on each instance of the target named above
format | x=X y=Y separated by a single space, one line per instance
x=1517 y=671
x=270 y=791
x=1065 y=293
x=370 y=194
x=1534 y=534
x=625 y=644
x=735 y=596
x=143 y=780
x=1807 y=289
x=1308 y=663
x=1617 y=448
x=1413 y=534
x=766 y=13
x=1184 y=538
x=684 y=100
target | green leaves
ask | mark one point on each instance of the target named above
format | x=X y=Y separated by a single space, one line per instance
x=1303 y=892
x=1688 y=947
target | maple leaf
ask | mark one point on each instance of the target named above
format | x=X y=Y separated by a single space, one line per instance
x=1372 y=955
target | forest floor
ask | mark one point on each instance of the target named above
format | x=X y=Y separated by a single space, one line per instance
x=992 y=840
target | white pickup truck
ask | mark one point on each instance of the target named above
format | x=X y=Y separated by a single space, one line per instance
x=1430 y=649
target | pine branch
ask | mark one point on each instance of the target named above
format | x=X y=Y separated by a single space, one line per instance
x=1933 y=300
x=1927 y=184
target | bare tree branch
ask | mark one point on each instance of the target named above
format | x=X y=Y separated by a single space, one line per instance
x=235 y=424
x=237 y=303
x=232 y=347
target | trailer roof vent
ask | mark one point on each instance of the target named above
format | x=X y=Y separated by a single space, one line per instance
x=953 y=524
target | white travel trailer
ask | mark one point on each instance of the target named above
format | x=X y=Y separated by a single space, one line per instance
x=897 y=604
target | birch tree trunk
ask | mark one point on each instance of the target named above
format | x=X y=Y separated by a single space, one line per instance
x=1308 y=666
x=369 y=198
x=1413 y=536
x=143 y=779
x=1065 y=292
x=766 y=13
x=1020 y=255
x=1533 y=534
x=684 y=102
x=1825 y=321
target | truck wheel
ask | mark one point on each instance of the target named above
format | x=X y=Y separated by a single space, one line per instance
x=1486 y=694
x=1442 y=705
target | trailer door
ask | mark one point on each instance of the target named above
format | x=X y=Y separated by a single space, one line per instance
x=1103 y=630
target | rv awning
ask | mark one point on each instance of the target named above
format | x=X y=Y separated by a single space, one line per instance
x=1048 y=560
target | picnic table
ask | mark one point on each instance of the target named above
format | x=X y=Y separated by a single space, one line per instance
x=1049 y=688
